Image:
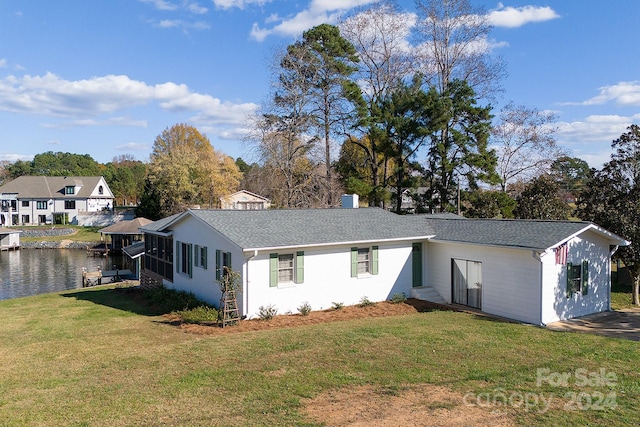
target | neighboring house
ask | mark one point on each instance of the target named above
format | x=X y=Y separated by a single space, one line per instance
x=325 y=256
x=31 y=200
x=124 y=233
x=244 y=200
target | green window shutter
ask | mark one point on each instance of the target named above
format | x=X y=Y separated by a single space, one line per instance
x=374 y=260
x=273 y=270
x=229 y=261
x=218 y=264
x=585 y=277
x=196 y=254
x=205 y=257
x=190 y=260
x=354 y=262
x=569 y=290
x=300 y=267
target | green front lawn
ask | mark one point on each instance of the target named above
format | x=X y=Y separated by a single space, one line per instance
x=95 y=357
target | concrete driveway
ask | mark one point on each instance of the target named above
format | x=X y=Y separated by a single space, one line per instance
x=616 y=324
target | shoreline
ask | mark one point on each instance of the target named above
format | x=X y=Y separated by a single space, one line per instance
x=63 y=244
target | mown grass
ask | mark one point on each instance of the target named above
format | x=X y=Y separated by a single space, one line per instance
x=95 y=357
x=620 y=289
x=81 y=234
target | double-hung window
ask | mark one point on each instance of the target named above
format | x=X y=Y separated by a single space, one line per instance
x=69 y=189
x=364 y=261
x=70 y=204
x=41 y=204
x=185 y=258
x=200 y=256
x=577 y=278
x=286 y=268
x=223 y=263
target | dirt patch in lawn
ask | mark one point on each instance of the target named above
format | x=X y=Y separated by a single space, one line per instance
x=422 y=405
x=380 y=309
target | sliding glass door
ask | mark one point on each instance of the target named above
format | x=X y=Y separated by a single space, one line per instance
x=466 y=282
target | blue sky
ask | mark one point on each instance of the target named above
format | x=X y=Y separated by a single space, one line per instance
x=105 y=77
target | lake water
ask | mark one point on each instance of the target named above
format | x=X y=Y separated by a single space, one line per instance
x=36 y=271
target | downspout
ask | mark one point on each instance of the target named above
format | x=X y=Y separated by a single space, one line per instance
x=538 y=257
x=245 y=284
x=613 y=250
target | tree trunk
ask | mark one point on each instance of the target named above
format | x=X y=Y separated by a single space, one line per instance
x=636 y=289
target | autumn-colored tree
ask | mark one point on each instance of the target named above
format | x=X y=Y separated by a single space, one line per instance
x=185 y=170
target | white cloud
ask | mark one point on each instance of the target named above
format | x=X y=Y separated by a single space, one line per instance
x=111 y=121
x=512 y=17
x=196 y=8
x=318 y=12
x=593 y=135
x=624 y=94
x=89 y=102
x=211 y=110
x=3 y=63
x=133 y=146
x=240 y=4
x=13 y=157
x=161 y=4
x=183 y=25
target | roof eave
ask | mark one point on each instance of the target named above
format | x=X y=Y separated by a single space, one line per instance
x=490 y=245
x=328 y=244
x=613 y=238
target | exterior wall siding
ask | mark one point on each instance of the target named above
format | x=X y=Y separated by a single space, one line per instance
x=202 y=282
x=510 y=278
x=327 y=274
x=327 y=279
x=556 y=306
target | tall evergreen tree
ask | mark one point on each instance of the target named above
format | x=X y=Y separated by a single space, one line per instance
x=459 y=147
x=321 y=63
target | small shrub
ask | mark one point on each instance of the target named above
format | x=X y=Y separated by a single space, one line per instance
x=365 y=302
x=201 y=314
x=305 y=309
x=398 y=298
x=337 y=305
x=268 y=312
x=164 y=300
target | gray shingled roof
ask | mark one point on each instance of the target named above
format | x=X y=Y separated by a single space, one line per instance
x=126 y=227
x=525 y=234
x=252 y=229
x=52 y=187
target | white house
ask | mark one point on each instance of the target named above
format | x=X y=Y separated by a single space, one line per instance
x=29 y=200
x=244 y=200
x=324 y=256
